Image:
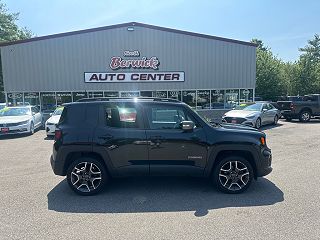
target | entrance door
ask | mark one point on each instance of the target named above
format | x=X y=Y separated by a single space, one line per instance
x=173 y=151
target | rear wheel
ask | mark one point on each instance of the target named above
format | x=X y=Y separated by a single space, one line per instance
x=288 y=119
x=305 y=116
x=233 y=174
x=87 y=176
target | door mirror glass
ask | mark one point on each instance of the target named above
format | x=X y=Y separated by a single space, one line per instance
x=187 y=125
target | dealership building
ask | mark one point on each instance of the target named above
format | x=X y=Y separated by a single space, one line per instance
x=129 y=60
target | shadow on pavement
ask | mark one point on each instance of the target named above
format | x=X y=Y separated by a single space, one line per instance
x=266 y=127
x=172 y=194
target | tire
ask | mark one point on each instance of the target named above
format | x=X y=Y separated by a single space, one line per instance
x=230 y=181
x=288 y=119
x=275 y=120
x=87 y=176
x=305 y=116
x=31 y=132
x=258 y=123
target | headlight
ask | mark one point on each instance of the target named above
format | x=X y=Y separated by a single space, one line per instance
x=251 y=116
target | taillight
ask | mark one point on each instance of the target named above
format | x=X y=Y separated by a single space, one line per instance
x=57 y=135
x=263 y=141
x=291 y=106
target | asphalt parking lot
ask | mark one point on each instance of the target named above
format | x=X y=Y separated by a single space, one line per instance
x=36 y=204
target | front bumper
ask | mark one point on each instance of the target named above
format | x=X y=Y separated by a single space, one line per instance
x=20 y=129
x=242 y=121
x=265 y=162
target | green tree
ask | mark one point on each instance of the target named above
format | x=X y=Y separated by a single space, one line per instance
x=308 y=80
x=269 y=84
x=9 y=31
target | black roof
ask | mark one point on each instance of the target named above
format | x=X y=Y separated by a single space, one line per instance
x=129 y=24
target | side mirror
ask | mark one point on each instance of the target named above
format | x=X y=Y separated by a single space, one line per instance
x=264 y=110
x=51 y=114
x=187 y=125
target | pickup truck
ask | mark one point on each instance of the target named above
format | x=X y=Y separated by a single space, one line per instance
x=303 y=109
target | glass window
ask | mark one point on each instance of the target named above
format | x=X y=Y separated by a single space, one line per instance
x=130 y=94
x=217 y=99
x=34 y=110
x=79 y=95
x=189 y=97
x=174 y=95
x=111 y=94
x=98 y=94
x=246 y=95
x=122 y=116
x=2 y=97
x=15 y=99
x=232 y=98
x=203 y=99
x=48 y=101
x=32 y=99
x=63 y=97
x=166 y=117
x=160 y=94
x=146 y=93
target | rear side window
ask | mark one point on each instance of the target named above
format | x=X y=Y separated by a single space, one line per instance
x=73 y=114
x=123 y=115
x=167 y=117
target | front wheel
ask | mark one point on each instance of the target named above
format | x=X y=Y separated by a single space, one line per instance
x=275 y=120
x=233 y=174
x=87 y=176
x=258 y=123
x=31 y=131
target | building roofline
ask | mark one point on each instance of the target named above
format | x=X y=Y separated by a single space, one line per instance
x=130 y=24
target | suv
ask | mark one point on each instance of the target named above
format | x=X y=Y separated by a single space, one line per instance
x=98 y=139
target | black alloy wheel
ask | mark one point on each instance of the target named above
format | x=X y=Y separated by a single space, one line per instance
x=87 y=176
x=233 y=174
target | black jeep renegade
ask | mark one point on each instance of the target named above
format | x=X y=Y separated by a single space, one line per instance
x=97 y=139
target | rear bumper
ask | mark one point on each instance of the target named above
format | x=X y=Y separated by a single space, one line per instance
x=56 y=165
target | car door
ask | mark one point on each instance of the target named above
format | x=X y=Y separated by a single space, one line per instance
x=272 y=112
x=173 y=151
x=122 y=135
x=37 y=117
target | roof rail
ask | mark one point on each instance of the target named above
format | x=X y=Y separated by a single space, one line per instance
x=101 y=99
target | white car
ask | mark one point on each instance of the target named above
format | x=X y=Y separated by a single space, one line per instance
x=22 y=119
x=2 y=105
x=51 y=123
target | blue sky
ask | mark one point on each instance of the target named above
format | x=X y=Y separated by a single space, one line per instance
x=284 y=26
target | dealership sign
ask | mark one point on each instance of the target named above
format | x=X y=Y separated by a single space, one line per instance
x=137 y=63
x=134 y=77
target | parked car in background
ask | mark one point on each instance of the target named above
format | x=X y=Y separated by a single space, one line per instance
x=254 y=115
x=303 y=109
x=22 y=119
x=50 y=125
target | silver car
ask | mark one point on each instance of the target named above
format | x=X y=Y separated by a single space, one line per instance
x=254 y=115
x=21 y=119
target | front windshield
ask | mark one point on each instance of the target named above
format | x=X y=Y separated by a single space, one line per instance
x=14 y=111
x=242 y=106
x=58 y=111
x=253 y=107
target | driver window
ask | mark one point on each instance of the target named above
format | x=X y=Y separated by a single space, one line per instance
x=162 y=117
